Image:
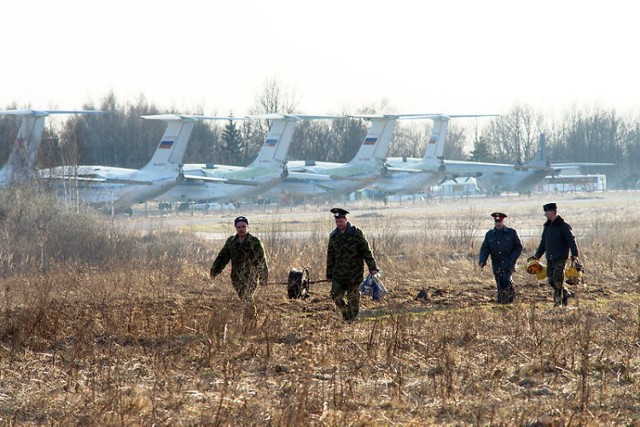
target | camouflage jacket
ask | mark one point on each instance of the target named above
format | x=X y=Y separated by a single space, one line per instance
x=248 y=262
x=346 y=255
x=504 y=246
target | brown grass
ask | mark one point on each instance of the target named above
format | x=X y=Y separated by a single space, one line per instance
x=124 y=327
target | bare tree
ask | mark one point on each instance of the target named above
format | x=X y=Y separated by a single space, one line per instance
x=274 y=98
x=9 y=126
x=456 y=146
x=410 y=139
x=513 y=138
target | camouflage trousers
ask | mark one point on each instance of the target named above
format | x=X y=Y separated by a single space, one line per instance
x=351 y=307
x=555 y=278
x=249 y=310
x=506 y=293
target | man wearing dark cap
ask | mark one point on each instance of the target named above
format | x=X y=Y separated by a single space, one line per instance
x=248 y=265
x=504 y=246
x=557 y=240
x=347 y=253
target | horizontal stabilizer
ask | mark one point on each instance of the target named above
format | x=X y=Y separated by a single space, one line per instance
x=44 y=113
x=187 y=117
x=280 y=116
x=443 y=116
x=392 y=116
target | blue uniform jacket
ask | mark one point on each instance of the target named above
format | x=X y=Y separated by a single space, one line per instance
x=504 y=246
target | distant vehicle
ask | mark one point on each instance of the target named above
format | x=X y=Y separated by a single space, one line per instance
x=120 y=188
x=451 y=188
x=574 y=183
x=21 y=165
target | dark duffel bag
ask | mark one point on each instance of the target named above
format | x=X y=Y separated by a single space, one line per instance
x=298 y=284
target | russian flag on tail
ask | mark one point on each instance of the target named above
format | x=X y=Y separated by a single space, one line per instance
x=370 y=140
x=166 y=144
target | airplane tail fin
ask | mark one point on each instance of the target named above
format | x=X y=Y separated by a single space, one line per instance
x=376 y=142
x=276 y=144
x=173 y=143
x=21 y=164
x=435 y=146
x=540 y=158
x=375 y=145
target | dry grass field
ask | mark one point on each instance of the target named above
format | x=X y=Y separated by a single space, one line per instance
x=115 y=322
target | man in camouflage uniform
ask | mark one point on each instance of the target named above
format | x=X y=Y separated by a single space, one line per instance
x=248 y=265
x=504 y=246
x=347 y=252
x=557 y=240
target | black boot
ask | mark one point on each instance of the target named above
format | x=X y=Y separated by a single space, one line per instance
x=557 y=297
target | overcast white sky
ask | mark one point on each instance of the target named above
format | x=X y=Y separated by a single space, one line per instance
x=422 y=56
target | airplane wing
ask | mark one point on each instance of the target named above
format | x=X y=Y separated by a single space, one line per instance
x=352 y=178
x=220 y=180
x=578 y=165
x=97 y=178
x=309 y=176
x=410 y=170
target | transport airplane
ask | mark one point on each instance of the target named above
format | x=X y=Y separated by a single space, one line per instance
x=330 y=179
x=492 y=177
x=225 y=184
x=21 y=165
x=120 y=188
x=412 y=175
x=497 y=177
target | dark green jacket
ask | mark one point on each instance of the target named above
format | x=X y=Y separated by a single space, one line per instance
x=346 y=255
x=248 y=262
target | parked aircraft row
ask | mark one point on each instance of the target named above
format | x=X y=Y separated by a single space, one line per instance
x=166 y=179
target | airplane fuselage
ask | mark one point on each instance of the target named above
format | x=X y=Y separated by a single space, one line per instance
x=136 y=186
x=260 y=180
x=404 y=182
x=343 y=178
x=521 y=181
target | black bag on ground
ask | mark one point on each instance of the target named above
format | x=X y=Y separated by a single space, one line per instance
x=298 y=283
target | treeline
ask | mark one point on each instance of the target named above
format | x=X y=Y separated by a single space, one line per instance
x=121 y=138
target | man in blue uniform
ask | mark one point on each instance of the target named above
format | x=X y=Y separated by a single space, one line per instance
x=347 y=253
x=504 y=246
x=557 y=240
